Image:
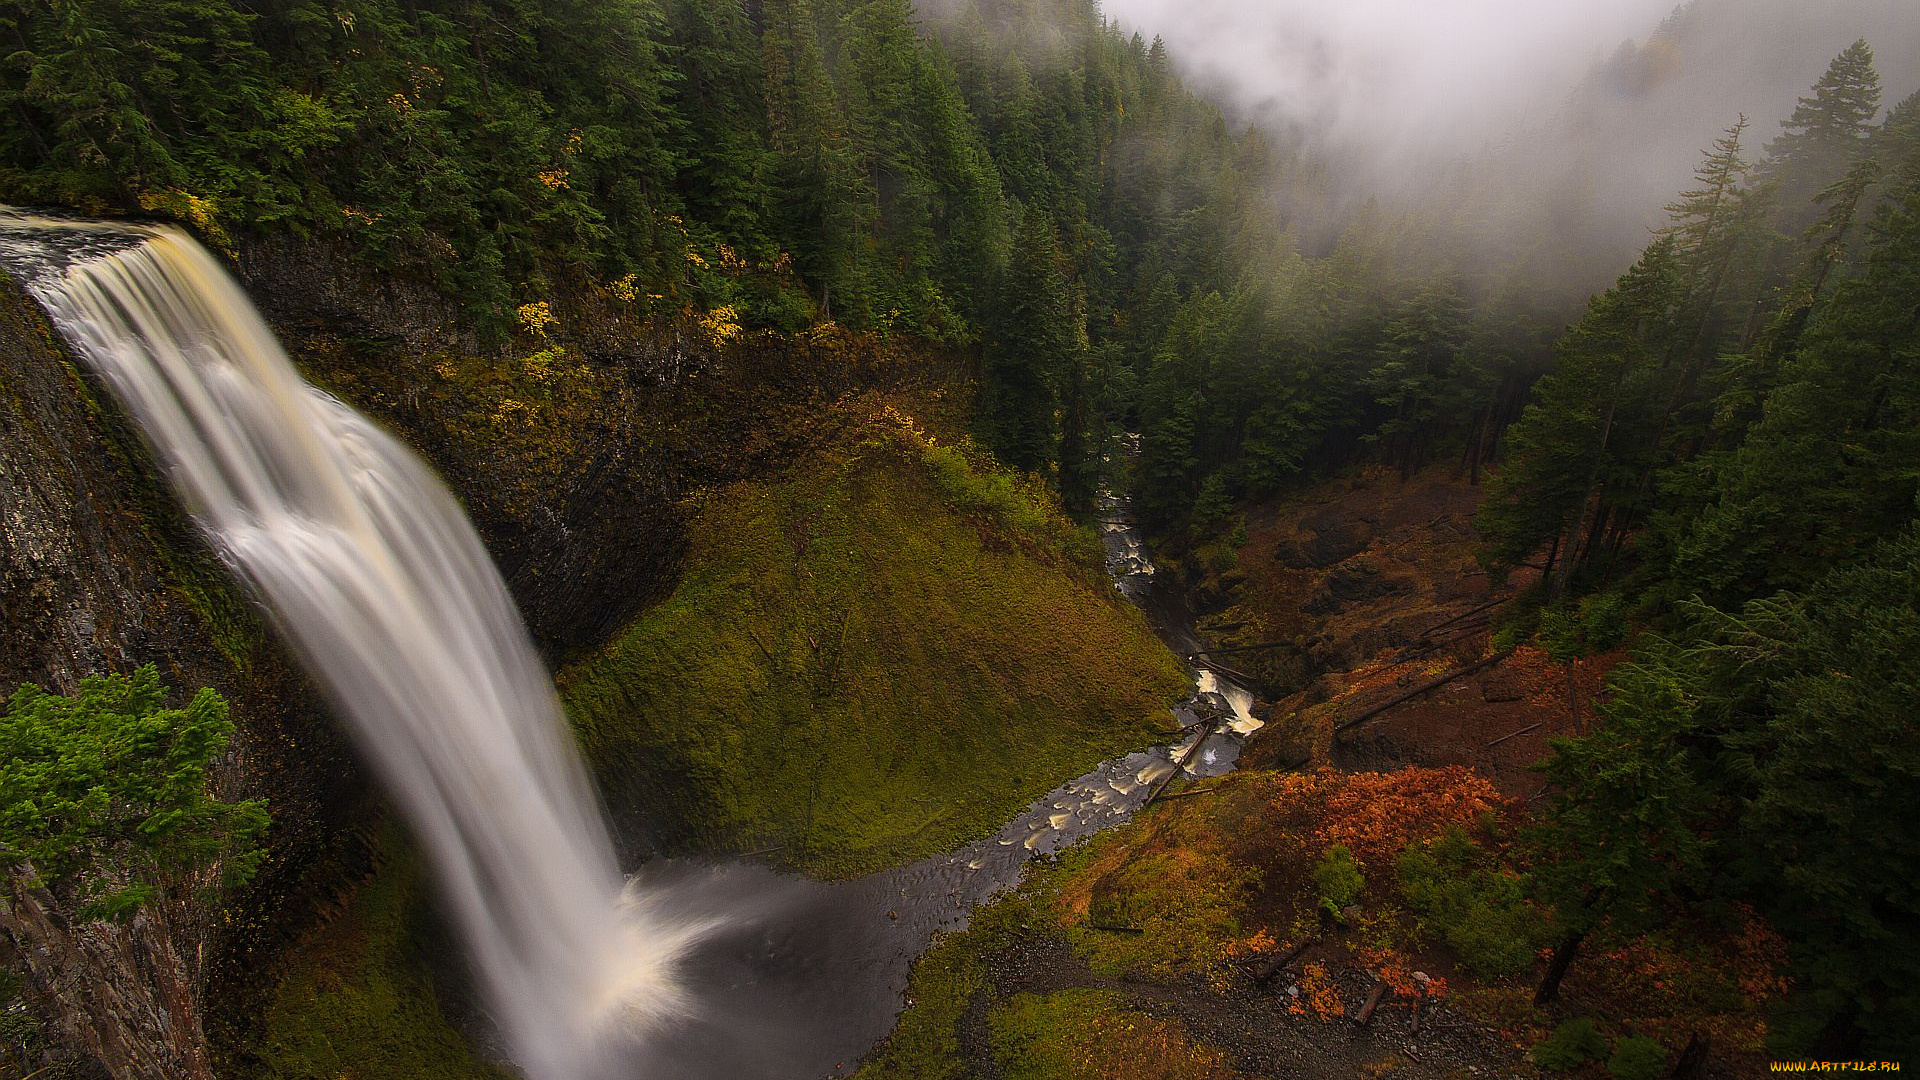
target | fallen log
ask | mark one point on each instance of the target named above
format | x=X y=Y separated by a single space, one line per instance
x=1239 y=677
x=1430 y=684
x=1512 y=735
x=1191 y=791
x=1421 y=647
x=1488 y=606
x=1206 y=731
x=1365 y=1015
x=1194 y=657
x=1273 y=967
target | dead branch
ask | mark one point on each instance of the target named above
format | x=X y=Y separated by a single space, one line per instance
x=1512 y=735
x=1430 y=684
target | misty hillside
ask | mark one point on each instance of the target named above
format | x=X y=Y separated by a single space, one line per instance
x=1516 y=127
x=1608 y=162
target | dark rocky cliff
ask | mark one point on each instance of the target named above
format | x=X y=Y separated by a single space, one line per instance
x=99 y=572
x=572 y=446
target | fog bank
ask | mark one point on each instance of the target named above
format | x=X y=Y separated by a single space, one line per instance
x=1608 y=102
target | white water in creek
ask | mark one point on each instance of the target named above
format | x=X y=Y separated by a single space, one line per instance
x=691 y=971
x=373 y=573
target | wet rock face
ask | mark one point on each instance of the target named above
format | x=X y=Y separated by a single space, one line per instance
x=581 y=548
x=72 y=575
x=307 y=282
x=98 y=572
x=581 y=511
x=80 y=593
x=126 y=994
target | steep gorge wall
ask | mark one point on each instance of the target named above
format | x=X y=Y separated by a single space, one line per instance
x=100 y=572
x=572 y=446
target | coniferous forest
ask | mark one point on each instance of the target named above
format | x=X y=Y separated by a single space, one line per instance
x=931 y=265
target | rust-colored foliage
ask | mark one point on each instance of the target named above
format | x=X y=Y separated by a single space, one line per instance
x=1373 y=814
x=1319 y=994
x=1377 y=814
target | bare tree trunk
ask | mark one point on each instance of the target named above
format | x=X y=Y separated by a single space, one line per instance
x=1477 y=446
x=1693 y=1060
x=1573 y=695
x=1546 y=572
x=1563 y=955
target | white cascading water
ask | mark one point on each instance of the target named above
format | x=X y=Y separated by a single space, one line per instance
x=374 y=574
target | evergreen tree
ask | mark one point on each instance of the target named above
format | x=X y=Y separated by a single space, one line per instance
x=1578 y=456
x=1631 y=829
x=726 y=165
x=1030 y=350
x=1418 y=370
x=1828 y=469
x=1188 y=418
x=103 y=795
x=827 y=198
x=1713 y=229
x=1826 y=777
x=1767 y=758
x=1824 y=136
x=1700 y=221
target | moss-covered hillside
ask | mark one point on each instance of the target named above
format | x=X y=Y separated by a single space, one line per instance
x=361 y=993
x=876 y=655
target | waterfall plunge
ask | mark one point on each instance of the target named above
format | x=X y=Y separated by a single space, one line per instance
x=372 y=571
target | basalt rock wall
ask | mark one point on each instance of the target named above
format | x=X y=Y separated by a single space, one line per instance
x=100 y=572
x=573 y=441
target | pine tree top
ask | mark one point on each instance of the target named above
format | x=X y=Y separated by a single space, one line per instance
x=1838 y=114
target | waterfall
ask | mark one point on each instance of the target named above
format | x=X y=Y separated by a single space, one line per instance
x=375 y=576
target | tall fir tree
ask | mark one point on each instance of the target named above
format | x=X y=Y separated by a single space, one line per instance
x=1824 y=136
x=1578 y=455
x=1028 y=354
x=1828 y=468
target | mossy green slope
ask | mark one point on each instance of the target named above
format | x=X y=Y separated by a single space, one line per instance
x=877 y=656
x=358 y=999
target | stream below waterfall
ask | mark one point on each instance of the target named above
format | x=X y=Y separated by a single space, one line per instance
x=813 y=975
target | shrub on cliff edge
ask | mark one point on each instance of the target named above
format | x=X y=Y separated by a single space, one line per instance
x=105 y=792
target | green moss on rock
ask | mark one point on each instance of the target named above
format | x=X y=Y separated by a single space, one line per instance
x=357 y=999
